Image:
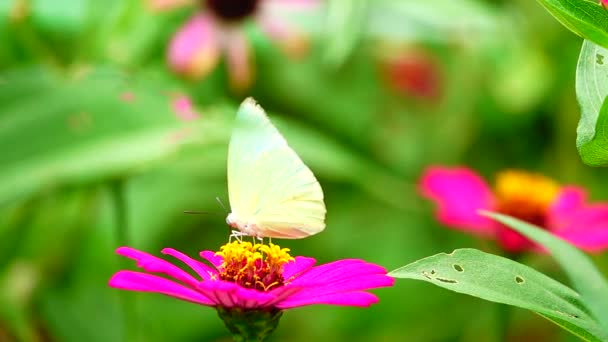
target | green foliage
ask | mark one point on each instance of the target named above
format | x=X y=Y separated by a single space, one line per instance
x=585 y=277
x=586 y=18
x=505 y=281
x=591 y=91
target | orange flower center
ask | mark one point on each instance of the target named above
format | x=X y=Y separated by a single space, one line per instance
x=255 y=266
x=526 y=196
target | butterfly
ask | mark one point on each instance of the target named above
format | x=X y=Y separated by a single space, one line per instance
x=272 y=192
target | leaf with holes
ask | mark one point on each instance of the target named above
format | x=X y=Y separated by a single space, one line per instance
x=502 y=280
x=591 y=92
x=586 y=18
x=584 y=275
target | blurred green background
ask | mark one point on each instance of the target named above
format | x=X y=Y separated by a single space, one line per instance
x=386 y=89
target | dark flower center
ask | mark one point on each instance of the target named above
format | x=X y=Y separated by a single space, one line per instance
x=232 y=10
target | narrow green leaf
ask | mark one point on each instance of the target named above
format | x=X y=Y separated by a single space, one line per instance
x=585 y=277
x=84 y=130
x=344 y=27
x=502 y=280
x=591 y=91
x=586 y=18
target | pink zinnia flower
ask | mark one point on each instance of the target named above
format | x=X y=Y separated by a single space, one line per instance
x=460 y=193
x=256 y=282
x=218 y=28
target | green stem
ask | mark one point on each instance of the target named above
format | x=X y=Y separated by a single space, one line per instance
x=250 y=325
x=119 y=201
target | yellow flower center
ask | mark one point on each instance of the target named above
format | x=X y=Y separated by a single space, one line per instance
x=255 y=266
x=526 y=196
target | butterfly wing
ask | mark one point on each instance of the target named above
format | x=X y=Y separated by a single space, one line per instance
x=268 y=184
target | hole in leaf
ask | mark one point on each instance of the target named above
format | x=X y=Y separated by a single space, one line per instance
x=599 y=59
x=458 y=268
x=426 y=274
x=432 y=271
x=519 y=280
x=446 y=280
x=567 y=314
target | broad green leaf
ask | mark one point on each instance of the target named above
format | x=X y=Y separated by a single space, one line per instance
x=505 y=281
x=585 y=277
x=586 y=18
x=591 y=91
x=74 y=131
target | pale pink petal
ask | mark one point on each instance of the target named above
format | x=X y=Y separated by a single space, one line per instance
x=212 y=257
x=194 y=50
x=299 y=265
x=238 y=60
x=151 y=263
x=165 y=5
x=459 y=194
x=204 y=271
x=292 y=41
x=283 y=6
x=136 y=281
x=358 y=298
x=183 y=108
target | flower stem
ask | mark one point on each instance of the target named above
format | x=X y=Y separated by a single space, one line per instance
x=119 y=201
x=250 y=325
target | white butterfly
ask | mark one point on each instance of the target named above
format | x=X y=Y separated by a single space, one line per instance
x=272 y=193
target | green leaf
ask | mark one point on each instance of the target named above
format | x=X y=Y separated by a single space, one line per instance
x=76 y=131
x=344 y=26
x=591 y=91
x=502 y=280
x=585 y=277
x=586 y=18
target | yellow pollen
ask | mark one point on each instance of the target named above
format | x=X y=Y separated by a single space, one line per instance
x=257 y=266
x=524 y=195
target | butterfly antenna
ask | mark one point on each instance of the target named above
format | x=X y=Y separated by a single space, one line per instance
x=221 y=204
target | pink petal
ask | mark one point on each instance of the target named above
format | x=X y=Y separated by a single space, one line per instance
x=299 y=265
x=194 y=50
x=587 y=228
x=570 y=199
x=204 y=271
x=345 y=285
x=511 y=240
x=213 y=258
x=230 y=294
x=459 y=193
x=359 y=298
x=238 y=60
x=337 y=270
x=151 y=263
x=183 y=108
x=136 y=281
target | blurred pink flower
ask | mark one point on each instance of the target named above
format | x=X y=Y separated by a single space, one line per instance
x=244 y=278
x=460 y=192
x=218 y=27
x=604 y=3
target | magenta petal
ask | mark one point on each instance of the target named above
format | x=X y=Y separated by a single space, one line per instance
x=194 y=50
x=358 y=298
x=213 y=258
x=586 y=228
x=200 y=268
x=459 y=194
x=569 y=200
x=136 y=281
x=230 y=294
x=342 y=269
x=151 y=263
x=299 y=265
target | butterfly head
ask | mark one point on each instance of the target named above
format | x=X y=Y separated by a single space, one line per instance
x=247 y=228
